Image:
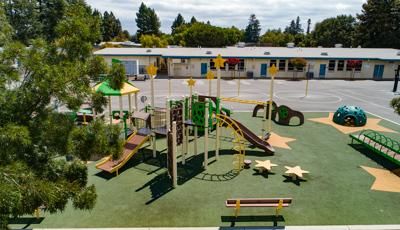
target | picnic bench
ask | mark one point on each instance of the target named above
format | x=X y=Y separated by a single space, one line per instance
x=277 y=203
x=379 y=143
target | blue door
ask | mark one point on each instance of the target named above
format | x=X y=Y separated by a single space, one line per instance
x=264 y=68
x=378 y=71
x=203 y=68
x=322 y=70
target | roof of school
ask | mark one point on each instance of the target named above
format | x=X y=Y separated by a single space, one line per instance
x=259 y=53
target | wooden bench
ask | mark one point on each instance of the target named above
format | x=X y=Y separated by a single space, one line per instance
x=277 y=203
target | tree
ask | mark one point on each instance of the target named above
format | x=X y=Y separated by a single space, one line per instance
x=308 y=26
x=24 y=19
x=298 y=64
x=117 y=76
x=147 y=21
x=179 y=20
x=151 y=41
x=200 y=34
x=379 y=24
x=232 y=36
x=277 y=38
x=352 y=64
x=33 y=137
x=299 y=30
x=111 y=27
x=5 y=29
x=338 y=30
x=50 y=13
x=294 y=27
x=252 y=32
x=395 y=103
x=193 y=20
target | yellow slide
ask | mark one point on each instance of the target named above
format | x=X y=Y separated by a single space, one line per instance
x=132 y=146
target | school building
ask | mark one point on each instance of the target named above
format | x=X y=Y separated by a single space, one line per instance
x=322 y=63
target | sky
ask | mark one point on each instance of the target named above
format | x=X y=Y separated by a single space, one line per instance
x=272 y=14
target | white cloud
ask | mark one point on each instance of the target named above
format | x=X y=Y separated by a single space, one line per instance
x=271 y=13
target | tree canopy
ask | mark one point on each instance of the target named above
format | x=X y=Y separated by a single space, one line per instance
x=147 y=21
x=379 y=24
x=252 y=32
x=179 y=20
x=34 y=137
x=110 y=27
x=338 y=30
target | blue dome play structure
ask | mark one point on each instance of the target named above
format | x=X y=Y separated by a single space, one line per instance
x=350 y=116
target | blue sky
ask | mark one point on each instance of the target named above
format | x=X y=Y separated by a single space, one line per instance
x=226 y=13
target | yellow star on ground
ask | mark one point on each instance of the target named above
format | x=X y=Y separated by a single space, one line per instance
x=210 y=75
x=151 y=70
x=267 y=165
x=191 y=82
x=296 y=171
x=372 y=123
x=278 y=141
x=384 y=180
x=273 y=70
x=219 y=62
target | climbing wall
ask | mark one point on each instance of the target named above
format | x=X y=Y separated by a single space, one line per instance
x=176 y=115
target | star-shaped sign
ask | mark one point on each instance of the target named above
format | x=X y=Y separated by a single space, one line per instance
x=191 y=82
x=210 y=75
x=296 y=170
x=273 y=70
x=151 y=70
x=384 y=180
x=219 y=62
x=279 y=141
x=267 y=165
x=372 y=123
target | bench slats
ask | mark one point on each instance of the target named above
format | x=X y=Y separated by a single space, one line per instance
x=262 y=202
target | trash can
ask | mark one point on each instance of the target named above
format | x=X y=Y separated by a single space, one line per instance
x=250 y=74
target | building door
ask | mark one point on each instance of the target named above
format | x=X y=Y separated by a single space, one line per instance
x=203 y=68
x=264 y=68
x=378 y=71
x=322 y=70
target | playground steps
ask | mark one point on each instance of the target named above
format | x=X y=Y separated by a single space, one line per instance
x=384 y=146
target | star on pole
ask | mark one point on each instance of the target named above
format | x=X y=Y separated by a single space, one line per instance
x=151 y=70
x=191 y=82
x=219 y=62
x=210 y=75
x=273 y=70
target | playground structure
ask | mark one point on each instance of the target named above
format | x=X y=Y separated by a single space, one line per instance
x=350 y=116
x=281 y=115
x=379 y=143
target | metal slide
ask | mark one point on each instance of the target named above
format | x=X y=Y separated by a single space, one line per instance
x=132 y=146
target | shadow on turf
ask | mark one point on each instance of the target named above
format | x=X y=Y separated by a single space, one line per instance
x=289 y=179
x=375 y=157
x=265 y=218
x=25 y=220
x=264 y=174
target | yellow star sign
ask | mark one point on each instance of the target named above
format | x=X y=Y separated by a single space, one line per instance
x=267 y=165
x=372 y=123
x=384 y=180
x=273 y=70
x=210 y=75
x=191 y=82
x=151 y=70
x=219 y=62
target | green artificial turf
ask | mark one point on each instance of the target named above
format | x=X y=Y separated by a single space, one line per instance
x=336 y=192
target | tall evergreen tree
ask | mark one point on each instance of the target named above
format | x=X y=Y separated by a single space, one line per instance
x=308 y=25
x=179 y=20
x=291 y=29
x=252 y=32
x=379 y=24
x=50 y=13
x=299 y=30
x=111 y=26
x=5 y=28
x=193 y=20
x=147 y=21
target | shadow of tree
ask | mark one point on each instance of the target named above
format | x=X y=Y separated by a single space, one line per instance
x=25 y=220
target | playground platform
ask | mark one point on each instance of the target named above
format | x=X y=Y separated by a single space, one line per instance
x=339 y=193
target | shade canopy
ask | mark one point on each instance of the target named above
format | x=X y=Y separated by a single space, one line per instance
x=105 y=88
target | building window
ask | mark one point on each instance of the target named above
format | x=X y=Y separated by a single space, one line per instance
x=241 y=65
x=282 y=65
x=332 y=64
x=272 y=62
x=290 y=66
x=340 y=66
x=358 y=66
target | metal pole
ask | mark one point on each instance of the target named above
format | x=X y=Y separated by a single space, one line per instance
x=130 y=103
x=109 y=109
x=209 y=88
x=271 y=95
x=219 y=109
x=136 y=103
x=195 y=140
x=169 y=86
x=306 y=87
x=206 y=136
x=174 y=160
x=396 y=79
